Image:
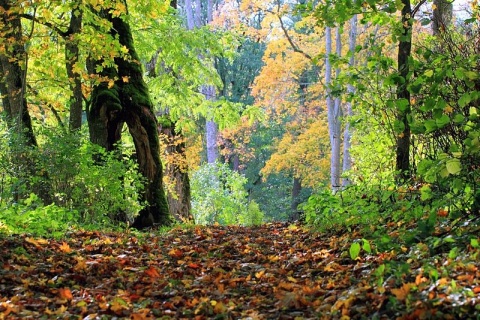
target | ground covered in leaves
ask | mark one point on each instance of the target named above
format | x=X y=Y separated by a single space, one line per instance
x=275 y=271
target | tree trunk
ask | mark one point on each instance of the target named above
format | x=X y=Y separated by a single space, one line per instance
x=296 y=189
x=333 y=113
x=195 y=19
x=404 y=52
x=74 y=79
x=347 y=135
x=128 y=102
x=179 y=199
x=13 y=65
x=176 y=166
x=442 y=15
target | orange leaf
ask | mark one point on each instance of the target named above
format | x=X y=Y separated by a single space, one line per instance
x=152 y=272
x=194 y=265
x=476 y=290
x=175 y=253
x=65 y=293
x=420 y=279
x=402 y=293
x=442 y=213
x=140 y=315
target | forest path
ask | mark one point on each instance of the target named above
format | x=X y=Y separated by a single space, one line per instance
x=274 y=271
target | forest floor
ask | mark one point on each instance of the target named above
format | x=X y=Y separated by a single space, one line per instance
x=274 y=271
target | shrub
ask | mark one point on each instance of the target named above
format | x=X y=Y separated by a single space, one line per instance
x=218 y=195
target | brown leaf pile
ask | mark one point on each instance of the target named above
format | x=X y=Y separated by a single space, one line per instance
x=276 y=271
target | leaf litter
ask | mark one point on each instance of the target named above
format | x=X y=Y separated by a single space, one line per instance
x=274 y=271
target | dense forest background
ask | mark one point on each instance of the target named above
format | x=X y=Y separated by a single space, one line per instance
x=341 y=113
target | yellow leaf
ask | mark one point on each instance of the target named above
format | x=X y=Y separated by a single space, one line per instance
x=448 y=109
x=125 y=79
x=118 y=305
x=36 y=242
x=65 y=247
x=259 y=274
x=219 y=308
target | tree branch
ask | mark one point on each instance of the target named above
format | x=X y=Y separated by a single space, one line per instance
x=290 y=40
x=63 y=34
x=417 y=7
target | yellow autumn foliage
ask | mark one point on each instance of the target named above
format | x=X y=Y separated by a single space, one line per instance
x=305 y=155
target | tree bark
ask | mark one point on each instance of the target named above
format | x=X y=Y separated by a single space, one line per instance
x=179 y=199
x=442 y=15
x=404 y=52
x=13 y=65
x=71 y=58
x=296 y=189
x=127 y=101
x=176 y=166
x=347 y=134
x=195 y=19
x=333 y=113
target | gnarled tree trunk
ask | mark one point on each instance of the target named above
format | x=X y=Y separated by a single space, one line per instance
x=128 y=102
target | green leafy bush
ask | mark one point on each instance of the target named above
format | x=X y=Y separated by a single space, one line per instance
x=218 y=195
x=69 y=174
x=31 y=216
x=81 y=176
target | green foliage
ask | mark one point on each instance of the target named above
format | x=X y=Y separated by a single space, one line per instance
x=446 y=121
x=32 y=216
x=78 y=182
x=371 y=208
x=100 y=186
x=219 y=196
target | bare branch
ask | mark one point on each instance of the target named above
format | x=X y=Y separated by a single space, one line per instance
x=290 y=40
x=417 y=7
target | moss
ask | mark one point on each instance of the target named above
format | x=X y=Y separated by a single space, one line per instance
x=136 y=95
x=108 y=97
x=165 y=122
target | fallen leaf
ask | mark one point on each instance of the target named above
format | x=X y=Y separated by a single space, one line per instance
x=65 y=293
x=65 y=247
x=152 y=272
x=402 y=293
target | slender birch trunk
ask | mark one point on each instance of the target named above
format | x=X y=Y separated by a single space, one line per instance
x=333 y=114
x=347 y=135
x=194 y=20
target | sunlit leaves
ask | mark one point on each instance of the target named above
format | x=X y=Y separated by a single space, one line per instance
x=301 y=153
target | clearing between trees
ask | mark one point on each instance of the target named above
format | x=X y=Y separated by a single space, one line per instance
x=274 y=271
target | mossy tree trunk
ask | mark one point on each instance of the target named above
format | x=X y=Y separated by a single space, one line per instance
x=13 y=68
x=13 y=59
x=176 y=166
x=127 y=101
